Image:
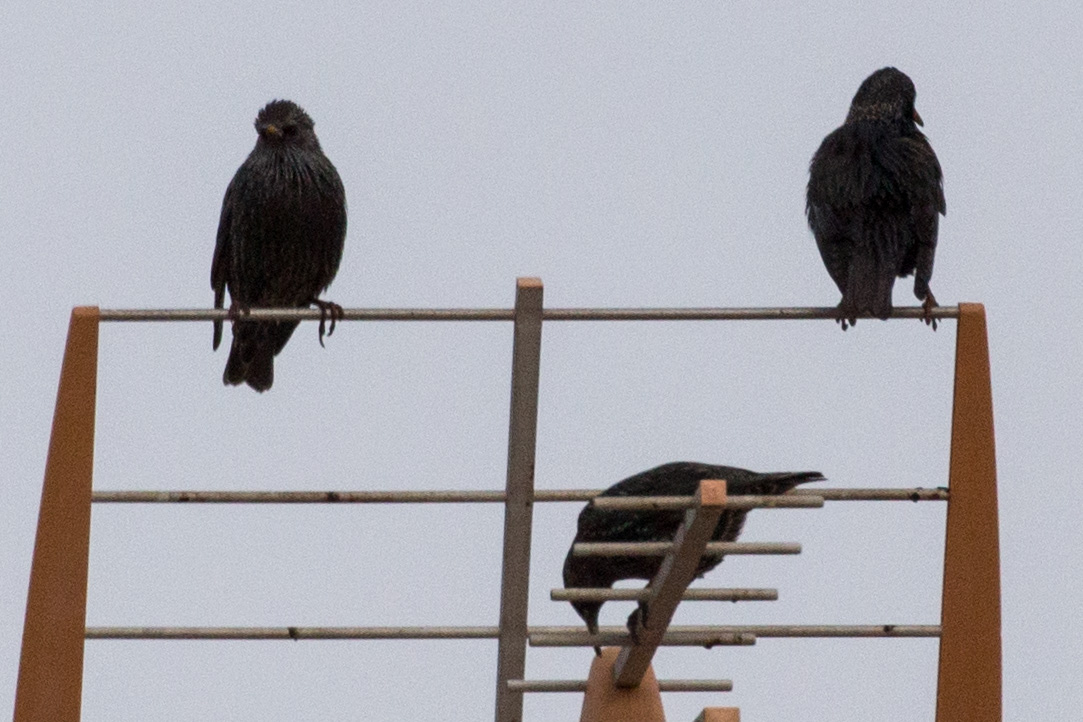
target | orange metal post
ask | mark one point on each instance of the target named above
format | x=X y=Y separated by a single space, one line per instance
x=969 y=686
x=50 y=683
x=604 y=701
x=719 y=714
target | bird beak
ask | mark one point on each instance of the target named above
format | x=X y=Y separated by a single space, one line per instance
x=917 y=118
x=272 y=129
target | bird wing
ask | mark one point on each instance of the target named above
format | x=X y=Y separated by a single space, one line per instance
x=679 y=478
x=220 y=265
x=920 y=172
x=838 y=184
x=613 y=525
x=831 y=228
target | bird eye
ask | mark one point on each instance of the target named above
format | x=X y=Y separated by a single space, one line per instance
x=290 y=131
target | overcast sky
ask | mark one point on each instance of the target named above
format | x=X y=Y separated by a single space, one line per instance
x=629 y=154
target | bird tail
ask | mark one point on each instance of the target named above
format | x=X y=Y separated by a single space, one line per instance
x=782 y=481
x=874 y=265
x=869 y=284
x=251 y=357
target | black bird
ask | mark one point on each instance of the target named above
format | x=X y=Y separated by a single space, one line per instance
x=280 y=239
x=875 y=191
x=679 y=478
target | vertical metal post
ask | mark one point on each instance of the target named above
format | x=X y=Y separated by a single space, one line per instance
x=604 y=701
x=50 y=683
x=969 y=682
x=519 y=503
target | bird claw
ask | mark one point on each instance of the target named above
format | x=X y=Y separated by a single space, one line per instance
x=844 y=317
x=928 y=305
x=328 y=309
x=636 y=620
x=236 y=310
x=633 y=629
x=593 y=629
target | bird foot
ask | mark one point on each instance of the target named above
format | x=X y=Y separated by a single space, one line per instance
x=844 y=316
x=593 y=629
x=328 y=309
x=636 y=620
x=633 y=627
x=236 y=310
x=928 y=305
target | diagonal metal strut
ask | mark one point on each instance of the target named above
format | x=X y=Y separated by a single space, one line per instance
x=676 y=572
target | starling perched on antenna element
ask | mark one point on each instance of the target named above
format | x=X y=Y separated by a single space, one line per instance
x=875 y=191
x=680 y=478
x=280 y=239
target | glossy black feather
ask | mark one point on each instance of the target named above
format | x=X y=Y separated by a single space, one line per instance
x=679 y=478
x=875 y=194
x=280 y=237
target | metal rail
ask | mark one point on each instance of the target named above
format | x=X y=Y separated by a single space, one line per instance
x=590 y=594
x=664 y=685
x=507 y=314
x=294 y=633
x=467 y=496
x=624 y=640
x=916 y=494
x=541 y=636
x=710 y=636
x=676 y=503
x=660 y=549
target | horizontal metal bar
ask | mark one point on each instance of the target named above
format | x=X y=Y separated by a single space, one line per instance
x=709 y=636
x=542 y=636
x=311 y=314
x=652 y=503
x=507 y=314
x=837 y=630
x=695 y=685
x=297 y=497
x=727 y=314
x=294 y=633
x=587 y=594
x=548 y=685
x=619 y=637
x=660 y=549
x=468 y=496
x=664 y=685
x=915 y=494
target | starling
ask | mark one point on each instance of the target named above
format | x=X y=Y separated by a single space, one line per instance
x=280 y=239
x=680 y=478
x=874 y=193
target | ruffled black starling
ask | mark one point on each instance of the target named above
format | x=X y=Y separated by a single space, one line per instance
x=680 y=478
x=875 y=191
x=280 y=239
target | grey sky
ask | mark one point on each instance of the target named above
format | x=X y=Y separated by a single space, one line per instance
x=629 y=155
